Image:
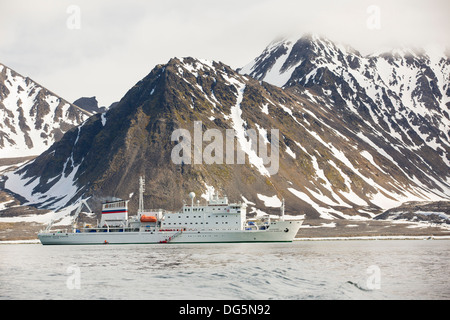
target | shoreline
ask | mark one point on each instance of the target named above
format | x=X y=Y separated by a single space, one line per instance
x=404 y=237
x=297 y=239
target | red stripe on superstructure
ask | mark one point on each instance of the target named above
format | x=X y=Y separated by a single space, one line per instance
x=115 y=211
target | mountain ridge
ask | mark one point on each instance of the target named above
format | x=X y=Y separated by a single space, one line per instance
x=416 y=114
x=335 y=159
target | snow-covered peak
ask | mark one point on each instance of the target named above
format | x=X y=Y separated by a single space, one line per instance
x=278 y=62
x=31 y=117
x=269 y=64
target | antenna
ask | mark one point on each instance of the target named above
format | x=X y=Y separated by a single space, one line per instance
x=282 y=210
x=192 y=196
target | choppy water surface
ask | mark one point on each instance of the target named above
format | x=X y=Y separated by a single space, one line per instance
x=397 y=269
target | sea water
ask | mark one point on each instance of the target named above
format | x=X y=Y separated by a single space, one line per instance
x=365 y=269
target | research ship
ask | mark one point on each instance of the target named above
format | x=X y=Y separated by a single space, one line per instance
x=215 y=222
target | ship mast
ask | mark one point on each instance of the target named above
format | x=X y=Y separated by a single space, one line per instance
x=141 y=194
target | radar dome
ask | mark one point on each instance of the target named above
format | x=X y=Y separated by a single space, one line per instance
x=192 y=195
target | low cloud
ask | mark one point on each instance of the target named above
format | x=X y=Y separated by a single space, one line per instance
x=119 y=42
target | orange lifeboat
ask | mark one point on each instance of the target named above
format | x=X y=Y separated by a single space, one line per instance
x=145 y=218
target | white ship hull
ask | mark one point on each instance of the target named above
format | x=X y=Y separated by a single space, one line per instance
x=280 y=231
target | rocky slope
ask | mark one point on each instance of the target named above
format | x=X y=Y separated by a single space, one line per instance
x=434 y=212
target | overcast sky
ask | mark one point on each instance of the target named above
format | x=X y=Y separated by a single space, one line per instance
x=102 y=48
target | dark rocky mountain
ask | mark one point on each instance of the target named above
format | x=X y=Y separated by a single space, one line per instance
x=344 y=150
x=105 y=156
x=32 y=117
x=89 y=104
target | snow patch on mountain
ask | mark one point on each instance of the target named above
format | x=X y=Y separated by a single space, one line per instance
x=55 y=198
x=31 y=117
